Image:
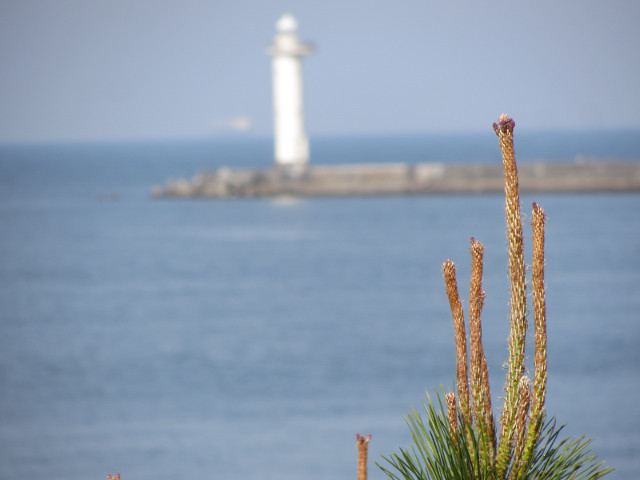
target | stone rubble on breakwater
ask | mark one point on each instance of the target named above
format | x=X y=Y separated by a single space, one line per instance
x=403 y=179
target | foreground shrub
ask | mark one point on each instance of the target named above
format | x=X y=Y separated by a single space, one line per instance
x=461 y=439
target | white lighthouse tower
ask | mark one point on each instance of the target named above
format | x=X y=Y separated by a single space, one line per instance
x=291 y=143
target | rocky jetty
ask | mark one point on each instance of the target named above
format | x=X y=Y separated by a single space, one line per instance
x=404 y=179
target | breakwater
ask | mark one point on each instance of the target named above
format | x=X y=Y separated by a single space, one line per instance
x=403 y=179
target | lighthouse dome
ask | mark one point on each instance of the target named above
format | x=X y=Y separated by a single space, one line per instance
x=287 y=23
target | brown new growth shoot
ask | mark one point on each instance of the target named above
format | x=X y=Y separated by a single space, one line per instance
x=449 y=272
x=462 y=379
x=536 y=414
x=452 y=414
x=480 y=389
x=362 y=444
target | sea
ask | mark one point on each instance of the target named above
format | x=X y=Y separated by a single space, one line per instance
x=253 y=338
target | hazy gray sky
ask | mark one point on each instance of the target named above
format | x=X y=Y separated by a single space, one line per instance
x=121 y=69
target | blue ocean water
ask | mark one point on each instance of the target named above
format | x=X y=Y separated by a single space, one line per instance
x=254 y=338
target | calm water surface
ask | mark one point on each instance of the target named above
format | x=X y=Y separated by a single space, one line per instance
x=254 y=338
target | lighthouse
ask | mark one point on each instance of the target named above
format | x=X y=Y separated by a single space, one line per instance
x=291 y=144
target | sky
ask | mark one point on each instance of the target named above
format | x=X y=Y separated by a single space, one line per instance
x=84 y=70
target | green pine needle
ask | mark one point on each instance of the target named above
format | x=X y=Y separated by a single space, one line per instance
x=437 y=454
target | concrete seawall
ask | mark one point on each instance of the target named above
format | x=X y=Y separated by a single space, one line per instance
x=402 y=179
